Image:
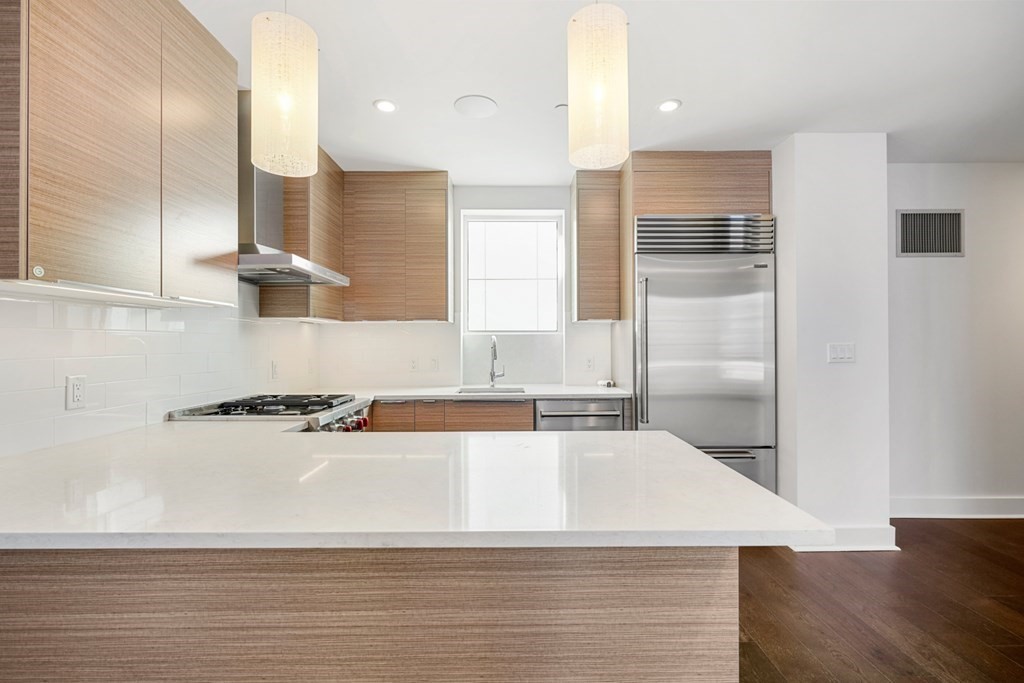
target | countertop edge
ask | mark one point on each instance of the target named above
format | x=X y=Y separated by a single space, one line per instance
x=370 y=540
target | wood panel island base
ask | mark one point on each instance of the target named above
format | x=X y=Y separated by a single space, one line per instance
x=467 y=614
x=231 y=551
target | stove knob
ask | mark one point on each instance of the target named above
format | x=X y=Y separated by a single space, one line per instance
x=347 y=428
x=364 y=422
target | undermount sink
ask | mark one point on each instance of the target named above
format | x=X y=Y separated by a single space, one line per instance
x=492 y=390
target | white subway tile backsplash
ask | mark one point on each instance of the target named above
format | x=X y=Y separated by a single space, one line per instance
x=21 y=437
x=132 y=343
x=22 y=406
x=77 y=316
x=45 y=343
x=100 y=369
x=207 y=381
x=18 y=313
x=78 y=426
x=142 y=390
x=22 y=375
x=159 y=365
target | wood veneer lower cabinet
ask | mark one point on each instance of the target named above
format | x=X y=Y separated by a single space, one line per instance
x=394 y=416
x=430 y=415
x=488 y=416
x=572 y=615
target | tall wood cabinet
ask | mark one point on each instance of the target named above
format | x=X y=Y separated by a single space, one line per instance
x=118 y=122
x=313 y=230
x=595 y=216
x=396 y=246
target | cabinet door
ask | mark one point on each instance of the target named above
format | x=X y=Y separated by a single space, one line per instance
x=430 y=415
x=426 y=254
x=326 y=190
x=394 y=416
x=94 y=109
x=597 y=245
x=200 y=161
x=374 y=247
x=488 y=416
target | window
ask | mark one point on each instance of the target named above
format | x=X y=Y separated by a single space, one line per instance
x=512 y=275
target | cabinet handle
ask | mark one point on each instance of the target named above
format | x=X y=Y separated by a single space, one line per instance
x=209 y=302
x=428 y=400
x=392 y=403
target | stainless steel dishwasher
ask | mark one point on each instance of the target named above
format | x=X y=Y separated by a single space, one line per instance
x=578 y=415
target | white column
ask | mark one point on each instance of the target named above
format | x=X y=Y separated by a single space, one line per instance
x=830 y=197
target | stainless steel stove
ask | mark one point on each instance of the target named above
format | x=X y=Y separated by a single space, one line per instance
x=322 y=412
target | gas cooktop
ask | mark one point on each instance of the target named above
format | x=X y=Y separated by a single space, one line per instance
x=265 y=406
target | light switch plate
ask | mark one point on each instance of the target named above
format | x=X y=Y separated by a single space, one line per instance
x=845 y=352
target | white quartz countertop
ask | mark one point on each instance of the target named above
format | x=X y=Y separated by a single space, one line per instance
x=234 y=484
x=532 y=391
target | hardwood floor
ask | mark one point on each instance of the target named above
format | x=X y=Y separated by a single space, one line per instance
x=949 y=607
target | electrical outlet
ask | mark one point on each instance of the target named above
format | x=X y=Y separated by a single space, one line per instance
x=74 y=392
x=842 y=353
x=435 y=365
x=590 y=363
x=414 y=365
x=273 y=369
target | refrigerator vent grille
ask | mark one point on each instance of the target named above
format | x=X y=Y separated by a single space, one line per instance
x=929 y=233
x=706 y=234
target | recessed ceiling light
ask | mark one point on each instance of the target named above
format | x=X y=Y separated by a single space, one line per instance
x=669 y=105
x=386 y=106
x=476 y=106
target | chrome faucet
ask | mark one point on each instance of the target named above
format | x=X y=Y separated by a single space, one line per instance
x=494 y=358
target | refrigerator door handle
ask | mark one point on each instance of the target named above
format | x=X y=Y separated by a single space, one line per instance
x=643 y=415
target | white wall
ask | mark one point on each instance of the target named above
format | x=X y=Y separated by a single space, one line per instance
x=829 y=194
x=139 y=364
x=956 y=329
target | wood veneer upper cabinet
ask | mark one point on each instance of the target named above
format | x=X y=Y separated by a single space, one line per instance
x=396 y=245
x=94 y=117
x=595 y=197
x=313 y=229
x=701 y=182
x=12 y=187
x=200 y=161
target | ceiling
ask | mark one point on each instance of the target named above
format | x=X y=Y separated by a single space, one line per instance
x=944 y=79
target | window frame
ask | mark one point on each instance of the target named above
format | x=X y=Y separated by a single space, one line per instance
x=556 y=216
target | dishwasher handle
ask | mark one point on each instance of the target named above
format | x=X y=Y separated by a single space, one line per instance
x=580 y=413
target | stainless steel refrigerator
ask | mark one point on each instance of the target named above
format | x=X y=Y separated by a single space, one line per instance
x=704 y=341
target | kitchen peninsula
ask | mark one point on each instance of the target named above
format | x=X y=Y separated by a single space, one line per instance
x=271 y=554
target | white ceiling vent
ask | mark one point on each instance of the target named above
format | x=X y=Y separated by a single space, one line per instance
x=930 y=233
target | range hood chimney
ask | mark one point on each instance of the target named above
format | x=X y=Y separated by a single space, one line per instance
x=261 y=256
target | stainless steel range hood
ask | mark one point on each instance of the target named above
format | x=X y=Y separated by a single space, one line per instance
x=262 y=259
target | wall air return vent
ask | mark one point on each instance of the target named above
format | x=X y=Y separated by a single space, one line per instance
x=930 y=233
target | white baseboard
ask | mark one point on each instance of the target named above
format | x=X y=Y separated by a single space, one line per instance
x=957 y=506
x=856 y=539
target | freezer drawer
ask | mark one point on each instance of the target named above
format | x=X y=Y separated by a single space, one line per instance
x=577 y=416
x=757 y=464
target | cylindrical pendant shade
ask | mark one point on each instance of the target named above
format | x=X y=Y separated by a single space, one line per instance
x=598 y=87
x=284 y=95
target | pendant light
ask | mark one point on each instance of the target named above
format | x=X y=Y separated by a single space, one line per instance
x=598 y=87
x=284 y=95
